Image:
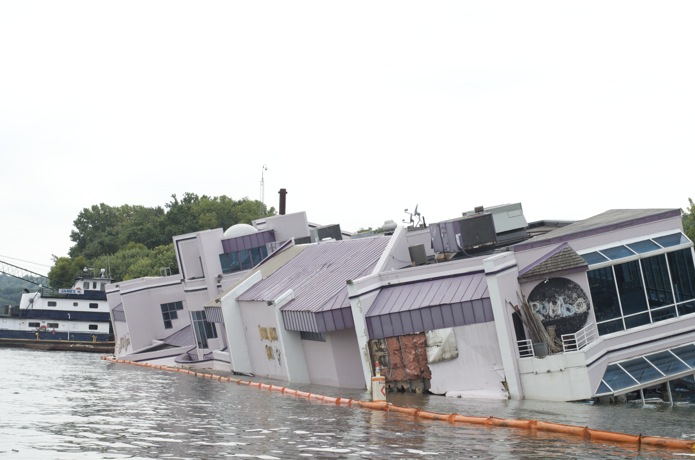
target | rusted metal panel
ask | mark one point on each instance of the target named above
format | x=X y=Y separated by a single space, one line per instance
x=403 y=362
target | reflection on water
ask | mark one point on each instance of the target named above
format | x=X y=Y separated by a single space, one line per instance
x=62 y=405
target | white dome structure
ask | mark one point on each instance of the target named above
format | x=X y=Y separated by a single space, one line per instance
x=239 y=230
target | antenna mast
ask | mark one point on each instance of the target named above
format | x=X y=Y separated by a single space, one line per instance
x=265 y=168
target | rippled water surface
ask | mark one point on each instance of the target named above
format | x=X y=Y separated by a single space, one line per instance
x=66 y=405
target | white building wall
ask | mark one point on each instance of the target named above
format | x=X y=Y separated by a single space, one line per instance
x=142 y=299
x=558 y=377
x=286 y=226
x=265 y=354
x=335 y=362
x=478 y=370
x=121 y=334
x=347 y=358
x=189 y=257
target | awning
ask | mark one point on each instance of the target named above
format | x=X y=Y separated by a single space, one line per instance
x=428 y=305
x=648 y=370
x=214 y=314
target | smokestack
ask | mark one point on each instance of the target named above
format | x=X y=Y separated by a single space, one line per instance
x=283 y=198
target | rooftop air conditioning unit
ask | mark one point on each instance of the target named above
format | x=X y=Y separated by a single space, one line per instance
x=469 y=234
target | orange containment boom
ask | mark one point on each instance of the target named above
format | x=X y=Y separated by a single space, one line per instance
x=530 y=425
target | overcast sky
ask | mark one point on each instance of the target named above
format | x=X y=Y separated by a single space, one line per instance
x=358 y=109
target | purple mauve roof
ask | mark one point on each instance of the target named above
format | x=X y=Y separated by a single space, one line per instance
x=431 y=304
x=318 y=277
x=181 y=338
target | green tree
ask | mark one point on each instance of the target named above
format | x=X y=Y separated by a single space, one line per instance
x=65 y=270
x=136 y=261
x=118 y=263
x=96 y=231
x=180 y=217
x=689 y=221
x=143 y=225
x=246 y=210
x=131 y=241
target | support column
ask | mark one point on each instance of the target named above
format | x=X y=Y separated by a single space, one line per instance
x=234 y=326
x=291 y=344
x=501 y=274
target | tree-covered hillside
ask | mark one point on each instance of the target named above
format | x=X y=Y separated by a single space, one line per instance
x=11 y=289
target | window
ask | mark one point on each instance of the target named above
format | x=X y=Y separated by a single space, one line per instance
x=638 y=247
x=33 y=324
x=242 y=260
x=644 y=290
x=52 y=303
x=52 y=325
x=313 y=336
x=93 y=305
x=93 y=327
x=74 y=304
x=85 y=285
x=204 y=329
x=169 y=313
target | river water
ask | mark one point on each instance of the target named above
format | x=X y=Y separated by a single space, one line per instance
x=70 y=405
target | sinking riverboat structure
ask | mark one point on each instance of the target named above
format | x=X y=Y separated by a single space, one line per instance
x=485 y=305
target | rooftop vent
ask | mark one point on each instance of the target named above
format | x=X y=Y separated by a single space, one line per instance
x=418 y=256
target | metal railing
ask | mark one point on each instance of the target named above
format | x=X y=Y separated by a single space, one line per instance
x=580 y=339
x=525 y=349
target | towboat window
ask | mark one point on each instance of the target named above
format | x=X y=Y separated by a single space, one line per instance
x=93 y=327
x=52 y=303
x=52 y=325
x=93 y=305
x=94 y=285
x=103 y=286
x=34 y=324
x=85 y=285
x=74 y=304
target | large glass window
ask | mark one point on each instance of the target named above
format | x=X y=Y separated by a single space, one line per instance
x=204 y=329
x=630 y=287
x=683 y=274
x=169 y=313
x=657 y=281
x=603 y=292
x=645 y=290
x=242 y=260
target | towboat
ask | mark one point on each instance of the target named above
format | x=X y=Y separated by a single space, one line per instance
x=75 y=319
